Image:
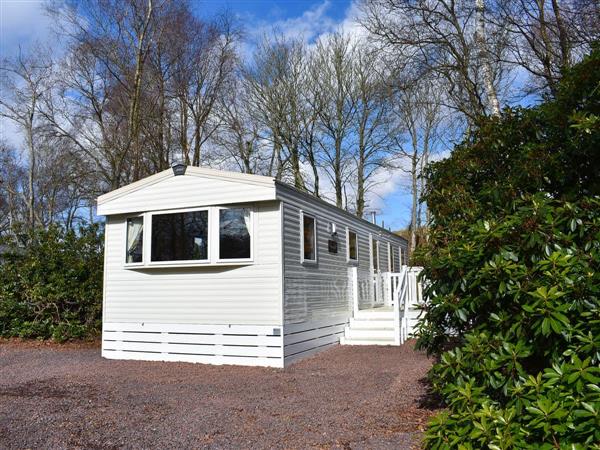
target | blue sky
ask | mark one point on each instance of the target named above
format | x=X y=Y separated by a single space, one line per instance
x=23 y=22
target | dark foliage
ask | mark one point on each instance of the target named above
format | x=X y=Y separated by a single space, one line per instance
x=52 y=286
x=513 y=264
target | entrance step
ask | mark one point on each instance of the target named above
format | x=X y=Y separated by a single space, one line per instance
x=371 y=323
x=374 y=314
x=369 y=333
x=346 y=341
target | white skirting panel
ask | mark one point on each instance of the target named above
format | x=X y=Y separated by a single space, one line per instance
x=307 y=338
x=248 y=345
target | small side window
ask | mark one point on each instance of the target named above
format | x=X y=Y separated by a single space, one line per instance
x=235 y=233
x=135 y=240
x=352 y=246
x=375 y=254
x=309 y=238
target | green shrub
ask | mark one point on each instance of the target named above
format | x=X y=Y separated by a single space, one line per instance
x=52 y=286
x=513 y=270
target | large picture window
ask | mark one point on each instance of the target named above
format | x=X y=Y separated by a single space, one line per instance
x=234 y=233
x=135 y=240
x=180 y=236
x=352 y=246
x=309 y=238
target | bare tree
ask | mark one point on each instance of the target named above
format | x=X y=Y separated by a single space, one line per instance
x=12 y=199
x=548 y=36
x=440 y=37
x=239 y=135
x=333 y=71
x=275 y=86
x=25 y=81
x=111 y=45
x=419 y=115
x=373 y=100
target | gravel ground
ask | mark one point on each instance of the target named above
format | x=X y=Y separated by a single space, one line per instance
x=67 y=396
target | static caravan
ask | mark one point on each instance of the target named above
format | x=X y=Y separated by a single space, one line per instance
x=219 y=267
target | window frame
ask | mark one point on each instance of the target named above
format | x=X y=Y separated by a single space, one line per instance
x=374 y=244
x=179 y=262
x=393 y=267
x=217 y=237
x=348 y=259
x=144 y=231
x=304 y=214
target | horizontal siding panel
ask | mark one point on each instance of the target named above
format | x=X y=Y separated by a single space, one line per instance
x=178 y=192
x=296 y=338
x=317 y=291
x=309 y=337
x=212 y=344
x=246 y=294
x=184 y=338
x=202 y=359
x=291 y=350
x=195 y=349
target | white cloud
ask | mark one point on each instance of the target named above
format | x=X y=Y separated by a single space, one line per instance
x=22 y=23
x=309 y=26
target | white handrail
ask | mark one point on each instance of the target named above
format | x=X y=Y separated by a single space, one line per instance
x=399 y=293
x=405 y=291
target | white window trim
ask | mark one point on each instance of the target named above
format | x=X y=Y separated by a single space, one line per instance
x=217 y=238
x=135 y=264
x=315 y=239
x=390 y=257
x=348 y=259
x=179 y=262
x=212 y=235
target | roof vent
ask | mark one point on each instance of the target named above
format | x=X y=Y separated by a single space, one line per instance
x=178 y=169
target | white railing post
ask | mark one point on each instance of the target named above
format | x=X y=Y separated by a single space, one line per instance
x=354 y=271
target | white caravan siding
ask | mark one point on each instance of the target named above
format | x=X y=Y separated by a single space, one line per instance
x=242 y=295
x=186 y=191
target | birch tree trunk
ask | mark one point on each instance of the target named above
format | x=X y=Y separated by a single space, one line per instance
x=488 y=74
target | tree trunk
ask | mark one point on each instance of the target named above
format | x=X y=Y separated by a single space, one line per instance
x=295 y=157
x=360 y=186
x=488 y=74
x=135 y=101
x=31 y=173
x=563 y=37
x=415 y=200
x=197 y=145
x=337 y=173
x=183 y=140
x=547 y=52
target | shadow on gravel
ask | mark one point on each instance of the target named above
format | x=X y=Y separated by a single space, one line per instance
x=429 y=399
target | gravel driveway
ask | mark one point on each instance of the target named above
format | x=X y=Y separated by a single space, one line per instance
x=67 y=396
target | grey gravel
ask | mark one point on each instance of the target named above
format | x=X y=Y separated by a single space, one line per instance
x=66 y=396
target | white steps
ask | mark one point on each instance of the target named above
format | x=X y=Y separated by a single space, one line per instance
x=370 y=327
x=375 y=327
x=345 y=341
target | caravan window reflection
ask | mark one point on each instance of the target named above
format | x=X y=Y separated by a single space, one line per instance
x=180 y=236
x=234 y=233
x=309 y=239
